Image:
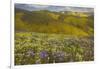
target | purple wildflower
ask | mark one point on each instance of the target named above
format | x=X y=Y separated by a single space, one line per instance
x=43 y=54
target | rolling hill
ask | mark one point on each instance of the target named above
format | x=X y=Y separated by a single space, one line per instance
x=45 y=21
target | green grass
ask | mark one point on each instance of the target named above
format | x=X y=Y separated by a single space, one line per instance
x=53 y=37
x=40 y=48
x=54 y=22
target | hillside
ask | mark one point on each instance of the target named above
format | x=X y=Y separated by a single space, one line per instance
x=54 y=22
x=53 y=34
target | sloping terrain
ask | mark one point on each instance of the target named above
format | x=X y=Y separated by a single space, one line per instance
x=45 y=21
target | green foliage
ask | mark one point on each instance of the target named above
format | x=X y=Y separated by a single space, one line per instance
x=53 y=22
x=53 y=37
x=40 y=48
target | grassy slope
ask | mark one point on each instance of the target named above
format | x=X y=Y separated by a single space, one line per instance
x=53 y=22
x=29 y=45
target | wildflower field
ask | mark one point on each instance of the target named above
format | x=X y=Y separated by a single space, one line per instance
x=53 y=34
x=42 y=48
